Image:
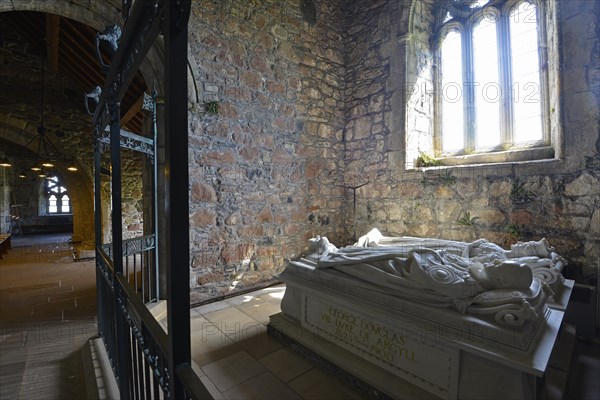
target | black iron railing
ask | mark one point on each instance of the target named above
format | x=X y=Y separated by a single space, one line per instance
x=139 y=265
x=147 y=361
x=140 y=355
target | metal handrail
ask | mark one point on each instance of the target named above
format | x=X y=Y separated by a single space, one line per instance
x=149 y=336
x=145 y=363
x=194 y=388
x=148 y=243
x=140 y=265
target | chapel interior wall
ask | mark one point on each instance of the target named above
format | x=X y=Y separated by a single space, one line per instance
x=557 y=199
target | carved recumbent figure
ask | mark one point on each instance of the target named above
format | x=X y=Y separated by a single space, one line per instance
x=478 y=278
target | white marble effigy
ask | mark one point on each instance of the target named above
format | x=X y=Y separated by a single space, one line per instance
x=451 y=319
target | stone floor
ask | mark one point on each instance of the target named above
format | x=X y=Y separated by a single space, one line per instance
x=236 y=359
x=48 y=310
x=47 y=313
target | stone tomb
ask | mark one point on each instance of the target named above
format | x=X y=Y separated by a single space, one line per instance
x=401 y=349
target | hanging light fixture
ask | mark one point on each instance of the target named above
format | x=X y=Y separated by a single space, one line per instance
x=22 y=174
x=42 y=160
x=4 y=162
x=71 y=166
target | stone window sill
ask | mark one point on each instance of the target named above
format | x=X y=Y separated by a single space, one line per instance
x=538 y=154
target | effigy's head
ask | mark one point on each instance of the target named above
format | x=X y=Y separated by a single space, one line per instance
x=506 y=274
x=541 y=248
x=319 y=247
x=318 y=244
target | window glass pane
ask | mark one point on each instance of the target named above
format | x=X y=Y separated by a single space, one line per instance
x=452 y=92
x=52 y=206
x=478 y=3
x=65 y=204
x=526 y=86
x=488 y=92
x=56 y=195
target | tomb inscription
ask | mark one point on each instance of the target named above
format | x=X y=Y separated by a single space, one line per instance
x=384 y=343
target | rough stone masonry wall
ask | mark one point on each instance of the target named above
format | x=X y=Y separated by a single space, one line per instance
x=263 y=172
x=132 y=195
x=556 y=199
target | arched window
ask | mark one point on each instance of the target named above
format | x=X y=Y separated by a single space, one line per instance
x=491 y=80
x=57 y=198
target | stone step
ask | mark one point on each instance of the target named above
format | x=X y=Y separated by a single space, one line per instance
x=158 y=310
x=100 y=382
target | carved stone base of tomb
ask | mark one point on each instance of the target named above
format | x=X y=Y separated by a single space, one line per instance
x=391 y=347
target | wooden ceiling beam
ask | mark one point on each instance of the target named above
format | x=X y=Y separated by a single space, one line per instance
x=81 y=59
x=83 y=65
x=133 y=110
x=52 y=40
x=78 y=77
x=82 y=45
x=136 y=123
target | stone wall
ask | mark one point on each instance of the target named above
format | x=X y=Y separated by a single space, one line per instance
x=557 y=199
x=132 y=195
x=313 y=102
x=6 y=176
x=263 y=172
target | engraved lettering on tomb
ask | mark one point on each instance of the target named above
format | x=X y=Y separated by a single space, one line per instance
x=368 y=336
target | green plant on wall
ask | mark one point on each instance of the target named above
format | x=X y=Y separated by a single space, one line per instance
x=212 y=107
x=467 y=220
x=426 y=181
x=425 y=160
x=518 y=193
x=447 y=179
x=516 y=231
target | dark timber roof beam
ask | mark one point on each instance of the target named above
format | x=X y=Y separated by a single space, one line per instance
x=52 y=40
x=133 y=110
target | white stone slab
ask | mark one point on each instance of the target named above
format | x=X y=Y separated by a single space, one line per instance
x=560 y=300
x=426 y=321
x=386 y=344
x=447 y=358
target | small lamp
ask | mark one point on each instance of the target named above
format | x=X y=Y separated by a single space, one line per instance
x=36 y=167
x=4 y=162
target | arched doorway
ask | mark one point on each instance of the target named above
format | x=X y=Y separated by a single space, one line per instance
x=50 y=63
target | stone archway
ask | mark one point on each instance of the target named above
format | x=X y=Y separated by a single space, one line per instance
x=97 y=15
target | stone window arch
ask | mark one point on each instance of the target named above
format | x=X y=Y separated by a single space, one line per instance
x=483 y=85
x=55 y=197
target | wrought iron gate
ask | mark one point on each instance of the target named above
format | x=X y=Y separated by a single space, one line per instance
x=147 y=361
